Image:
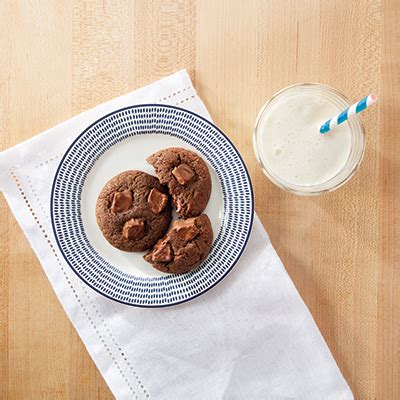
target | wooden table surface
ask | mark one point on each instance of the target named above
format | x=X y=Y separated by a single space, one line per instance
x=341 y=250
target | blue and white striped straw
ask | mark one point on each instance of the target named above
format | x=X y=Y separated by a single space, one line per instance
x=344 y=116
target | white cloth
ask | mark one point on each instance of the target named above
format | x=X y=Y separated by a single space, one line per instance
x=250 y=337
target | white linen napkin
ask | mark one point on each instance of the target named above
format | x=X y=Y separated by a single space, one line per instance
x=250 y=337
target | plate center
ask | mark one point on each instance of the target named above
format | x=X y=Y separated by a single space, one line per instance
x=128 y=155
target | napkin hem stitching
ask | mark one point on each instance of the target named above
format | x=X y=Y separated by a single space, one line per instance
x=28 y=204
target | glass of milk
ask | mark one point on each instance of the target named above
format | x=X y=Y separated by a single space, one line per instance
x=293 y=153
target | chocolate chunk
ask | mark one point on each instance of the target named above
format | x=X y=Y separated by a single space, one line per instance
x=191 y=205
x=185 y=230
x=122 y=201
x=183 y=174
x=179 y=204
x=162 y=252
x=157 y=200
x=133 y=229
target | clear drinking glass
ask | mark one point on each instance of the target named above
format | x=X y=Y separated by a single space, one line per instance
x=357 y=141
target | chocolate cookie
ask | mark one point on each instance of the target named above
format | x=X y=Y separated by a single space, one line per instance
x=184 y=247
x=187 y=177
x=133 y=211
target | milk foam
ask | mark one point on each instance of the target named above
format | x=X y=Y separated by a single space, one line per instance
x=291 y=145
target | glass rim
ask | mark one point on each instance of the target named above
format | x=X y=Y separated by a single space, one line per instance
x=300 y=189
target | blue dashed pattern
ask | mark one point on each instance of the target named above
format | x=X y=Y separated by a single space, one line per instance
x=80 y=159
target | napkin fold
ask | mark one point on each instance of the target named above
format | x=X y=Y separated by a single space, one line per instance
x=250 y=337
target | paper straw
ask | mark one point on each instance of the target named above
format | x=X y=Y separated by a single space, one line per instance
x=344 y=116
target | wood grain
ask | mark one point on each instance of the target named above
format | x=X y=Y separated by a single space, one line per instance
x=341 y=249
x=388 y=324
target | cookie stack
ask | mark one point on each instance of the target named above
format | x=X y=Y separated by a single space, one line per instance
x=134 y=211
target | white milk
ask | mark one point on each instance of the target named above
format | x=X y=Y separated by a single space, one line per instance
x=291 y=146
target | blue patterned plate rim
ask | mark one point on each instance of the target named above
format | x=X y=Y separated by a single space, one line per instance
x=243 y=165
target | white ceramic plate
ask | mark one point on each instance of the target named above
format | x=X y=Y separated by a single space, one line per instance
x=121 y=141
